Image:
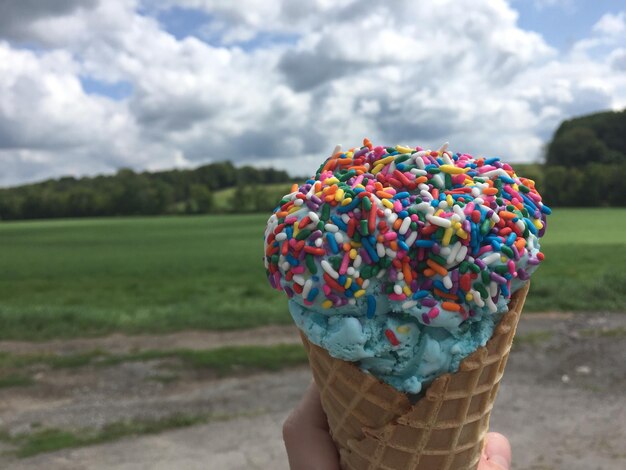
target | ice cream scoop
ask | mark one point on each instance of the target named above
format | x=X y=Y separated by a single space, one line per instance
x=402 y=259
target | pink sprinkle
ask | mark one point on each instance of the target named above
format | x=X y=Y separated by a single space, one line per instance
x=484 y=249
x=433 y=312
x=297 y=269
x=357 y=181
x=391 y=235
x=326 y=290
x=292 y=219
x=344 y=263
x=397 y=206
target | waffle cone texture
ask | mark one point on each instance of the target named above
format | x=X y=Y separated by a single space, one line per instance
x=375 y=426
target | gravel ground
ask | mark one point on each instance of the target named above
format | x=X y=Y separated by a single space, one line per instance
x=561 y=404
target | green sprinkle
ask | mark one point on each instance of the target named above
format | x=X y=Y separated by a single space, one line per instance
x=524 y=189
x=481 y=290
x=325 y=212
x=367 y=204
x=502 y=269
x=485 y=227
x=474 y=268
x=302 y=234
x=436 y=258
x=464 y=267
x=402 y=158
x=485 y=277
x=507 y=251
x=309 y=259
x=347 y=175
x=364 y=228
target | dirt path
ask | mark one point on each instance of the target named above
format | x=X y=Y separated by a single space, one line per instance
x=561 y=404
x=119 y=343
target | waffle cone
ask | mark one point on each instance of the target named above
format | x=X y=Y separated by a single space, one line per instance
x=376 y=427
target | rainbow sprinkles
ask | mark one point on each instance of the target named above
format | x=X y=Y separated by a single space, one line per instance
x=438 y=231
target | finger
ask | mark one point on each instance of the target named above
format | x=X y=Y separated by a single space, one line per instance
x=305 y=432
x=496 y=454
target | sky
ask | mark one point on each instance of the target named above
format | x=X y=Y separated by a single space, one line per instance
x=91 y=86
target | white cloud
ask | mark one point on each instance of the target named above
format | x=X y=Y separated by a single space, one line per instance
x=611 y=24
x=461 y=71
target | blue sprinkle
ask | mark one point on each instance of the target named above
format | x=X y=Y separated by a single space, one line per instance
x=403 y=214
x=338 y=222
x=342 y=279
x=371 y=306
x=424 y=243
x=291 y=260
x=530 y=226
x=401 y=195
x=312 y=294
x=330 y=238
x=546 y=210
x=496 y=245
x=507 y=179
x=491 y=160
x=511 y=238
x=370 y=250
x=439 y=285
x=289 y=232
x=420 y=294
x=402 y=244
x=355 y=202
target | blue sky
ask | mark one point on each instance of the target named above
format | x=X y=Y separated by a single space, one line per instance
x=89 y=86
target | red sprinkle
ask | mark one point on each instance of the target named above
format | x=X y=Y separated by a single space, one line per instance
x=392 y=337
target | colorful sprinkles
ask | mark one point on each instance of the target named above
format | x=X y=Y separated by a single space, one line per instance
x=439 y=230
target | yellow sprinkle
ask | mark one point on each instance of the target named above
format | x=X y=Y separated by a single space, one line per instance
x=457 y=226
x=353 y=253
x=327 y=304
x=331 y=180
x=438 y=212
x=449 y=200
x=447 y=235
x=354 y=244
x=453 y=170
x=386 y=160
x=348 y=283
x=469 y=297
x=339 y=194
x=360 y=186
x=503 y=259
x=377 y=169
x=537 y=223
x=293 y=209
x=296 y=230
x=403 y=329
x=346 y=201
x=407 y=290
x=461 y=234
x=387 y=203
x=359 y=293
x=349 y=154
x=402 y=149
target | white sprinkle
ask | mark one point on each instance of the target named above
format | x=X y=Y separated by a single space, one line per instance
x=443 y=205
x=366 y=284
x=298 y=202
x=357 y=274
x=440 y=221
x=411 y=238
x=491 y=258
x=336 y=150
x=461 y=254
x=493 y=289
x=357 y=261
x=352 y=301
x=491 y=306
x=392 y=218
x=298 y=279
x=444 y=147
x=381 y=273
x=307 y=288
x=447 y=282
x=331 y=228
x=409 y=304
x=475 y=192
x=479 y=201
x=339 y=237
x=400 y=277
x=445 y=251
x=418 y=172
x=318 y=242
x=455 y=218
x=314 y=217
x=439 y=180
x=281 y=236
x=380 y=250
x=496 y=172
x=329 y=269
x=477 y=299
x=405 y=225
x=350 y=271
x=392 y=254
x=495 y=217
x=397 y=289
x=457 y=210
x=286 y=266
x=345 y=218
x=453 y=253
x=423 y=207
x=423 y=187
x=520 y=225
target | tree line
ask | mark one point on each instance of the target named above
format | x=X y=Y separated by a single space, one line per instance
x=586 y=162
x=131 y=193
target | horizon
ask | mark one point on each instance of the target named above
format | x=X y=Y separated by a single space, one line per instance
x=88 y=87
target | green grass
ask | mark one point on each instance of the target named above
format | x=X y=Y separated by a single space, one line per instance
x=222 y=198
x=68 y=278
x=52 y=439
x=95 y=276
x=222 y=361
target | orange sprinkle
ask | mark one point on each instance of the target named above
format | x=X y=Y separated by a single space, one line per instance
x=421 y=179
x=294 y=188
x=490 y=191
x=445 y=295
x=347 y=247
x=406 y=270
x=397 y=223
x=429 y=272
x=451 y=306
x=282 y=214
x=437 y=267
x=393 y=245
x=507 y=215
x=384 y=195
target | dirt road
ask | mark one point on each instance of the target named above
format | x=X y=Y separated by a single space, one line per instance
x=561 y=404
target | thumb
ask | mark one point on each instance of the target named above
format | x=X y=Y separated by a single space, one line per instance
x=497 y=453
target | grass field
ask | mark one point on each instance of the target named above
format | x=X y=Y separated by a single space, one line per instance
x=94 y=276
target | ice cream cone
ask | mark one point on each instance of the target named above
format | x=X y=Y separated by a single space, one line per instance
x=377 y=427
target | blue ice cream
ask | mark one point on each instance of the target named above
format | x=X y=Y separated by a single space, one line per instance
x=403 y=260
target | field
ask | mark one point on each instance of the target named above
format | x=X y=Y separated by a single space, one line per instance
x=88 y=277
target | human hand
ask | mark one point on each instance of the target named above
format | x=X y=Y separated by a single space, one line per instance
x=310 y=447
